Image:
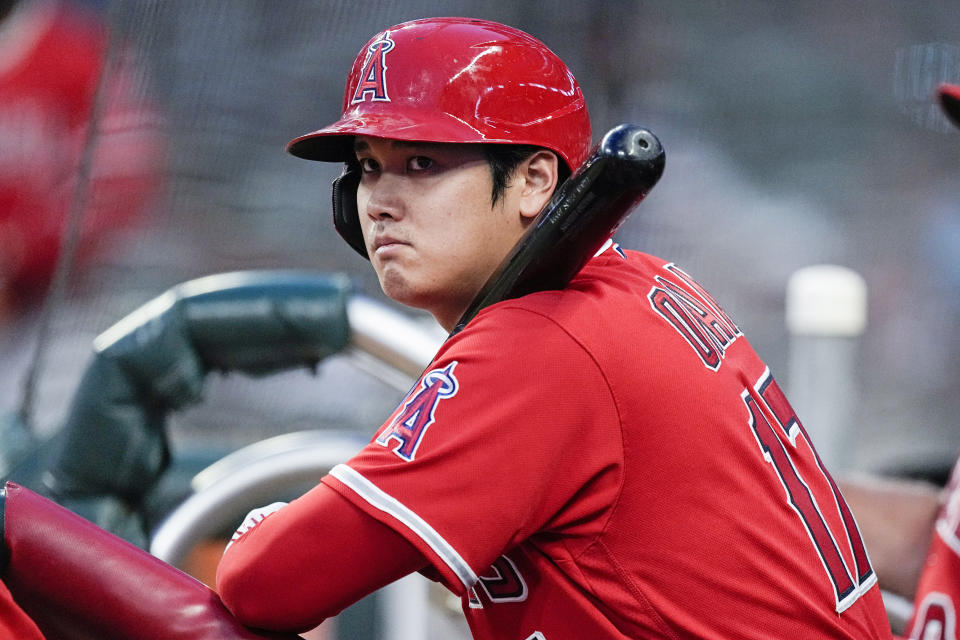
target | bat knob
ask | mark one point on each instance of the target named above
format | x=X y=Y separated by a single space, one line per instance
x=633 y=141
x=638 y=154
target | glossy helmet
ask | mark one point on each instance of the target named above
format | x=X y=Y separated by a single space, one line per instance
x=949 y=96
x=450 y=80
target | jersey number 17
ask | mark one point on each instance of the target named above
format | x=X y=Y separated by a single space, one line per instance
x=777 y=429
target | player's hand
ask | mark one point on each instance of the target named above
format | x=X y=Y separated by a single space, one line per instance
x=255 y=517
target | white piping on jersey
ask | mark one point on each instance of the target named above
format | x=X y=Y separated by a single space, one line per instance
x=949 y=535
x=606 y=245
x=383 y=501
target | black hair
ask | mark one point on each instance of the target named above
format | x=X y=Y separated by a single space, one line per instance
x=504 y=159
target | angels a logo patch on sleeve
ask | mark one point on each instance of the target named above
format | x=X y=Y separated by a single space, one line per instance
x=408 y=427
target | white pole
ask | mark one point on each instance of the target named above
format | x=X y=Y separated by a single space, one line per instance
x=406 y=608
x=826 y=313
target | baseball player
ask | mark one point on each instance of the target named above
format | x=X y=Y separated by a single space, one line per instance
x=610 y=460
x=938 y=590
x=51 y=57
x=916 y=526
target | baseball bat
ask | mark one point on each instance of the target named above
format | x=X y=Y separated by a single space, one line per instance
x=584 y=212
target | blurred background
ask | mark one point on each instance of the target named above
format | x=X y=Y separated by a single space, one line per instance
x=142 y=145
x=796 y=133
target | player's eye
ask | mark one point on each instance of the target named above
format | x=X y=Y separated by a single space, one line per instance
x=420 y=163
x=368 y=165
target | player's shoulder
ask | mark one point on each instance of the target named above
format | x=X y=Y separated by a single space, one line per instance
x=540 y=326
x=610 y=281
x=591 y=305
x=615 y=265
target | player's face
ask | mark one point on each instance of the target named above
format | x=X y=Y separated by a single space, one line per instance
x=430 y=228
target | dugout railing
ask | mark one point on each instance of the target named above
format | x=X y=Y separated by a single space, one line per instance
x=111 y=456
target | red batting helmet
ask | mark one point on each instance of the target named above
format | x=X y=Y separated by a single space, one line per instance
x=451 y=80
x=949 y=95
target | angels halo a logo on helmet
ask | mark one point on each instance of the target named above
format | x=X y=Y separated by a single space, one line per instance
x=373 y=75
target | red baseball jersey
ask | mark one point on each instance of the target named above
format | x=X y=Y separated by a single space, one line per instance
x=614 y=461
x=14 y=622
x=938 y=592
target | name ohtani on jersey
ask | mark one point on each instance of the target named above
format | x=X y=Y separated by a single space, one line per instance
x=408 y=427
x=694 y=313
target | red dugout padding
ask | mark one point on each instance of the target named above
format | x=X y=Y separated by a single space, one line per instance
x=79 y=582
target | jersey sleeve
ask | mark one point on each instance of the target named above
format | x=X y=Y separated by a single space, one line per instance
x=289 y=567
x=511 y=432
x=14 y=622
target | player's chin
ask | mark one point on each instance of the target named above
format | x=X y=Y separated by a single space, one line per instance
x=401 y=286
x=427 y=295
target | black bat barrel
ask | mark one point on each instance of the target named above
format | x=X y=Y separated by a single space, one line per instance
x=585 y=212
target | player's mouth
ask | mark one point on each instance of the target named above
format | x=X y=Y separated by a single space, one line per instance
x=386 y=244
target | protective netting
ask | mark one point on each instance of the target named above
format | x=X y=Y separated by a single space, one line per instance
x=795 y=133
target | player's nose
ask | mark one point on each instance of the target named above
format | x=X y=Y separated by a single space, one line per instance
x=384 y=198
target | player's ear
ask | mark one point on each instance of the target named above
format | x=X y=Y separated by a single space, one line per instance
x=536 y=178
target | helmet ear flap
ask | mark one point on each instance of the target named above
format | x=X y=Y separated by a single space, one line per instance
x=346 y=218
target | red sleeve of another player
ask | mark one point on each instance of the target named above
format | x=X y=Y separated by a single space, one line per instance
x=511 y=431
x=308 y=561
x=14 y=623
x=938 y=592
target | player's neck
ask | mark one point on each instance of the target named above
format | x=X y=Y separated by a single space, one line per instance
x=448 y=320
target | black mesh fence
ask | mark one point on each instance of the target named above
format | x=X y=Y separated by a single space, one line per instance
x=795 y=133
